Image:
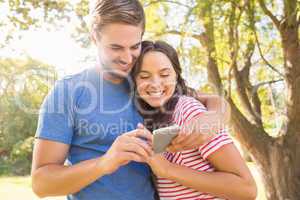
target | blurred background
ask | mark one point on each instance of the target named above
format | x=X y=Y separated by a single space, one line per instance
x=244 y=50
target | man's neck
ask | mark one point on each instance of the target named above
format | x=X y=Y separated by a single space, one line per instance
x=108 y=76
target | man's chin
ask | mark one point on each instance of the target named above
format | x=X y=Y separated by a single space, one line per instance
x=119 y=74
x=116 y=75
x=112 y=72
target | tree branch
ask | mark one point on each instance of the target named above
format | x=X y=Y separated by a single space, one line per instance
x=257 y=86
x=247 y=133
x=269 y=13
x=262 y=56
x=202 y=38
x=241 y=76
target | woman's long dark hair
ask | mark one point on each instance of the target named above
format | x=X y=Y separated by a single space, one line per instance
x=153 y=117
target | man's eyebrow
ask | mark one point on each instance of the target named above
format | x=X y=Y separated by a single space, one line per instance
x=116 y=45
x=137 y=44
x=119 y=46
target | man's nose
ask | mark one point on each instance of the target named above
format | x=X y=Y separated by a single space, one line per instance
x=126 y=57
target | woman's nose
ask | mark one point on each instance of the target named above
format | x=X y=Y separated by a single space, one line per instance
x=156 y=82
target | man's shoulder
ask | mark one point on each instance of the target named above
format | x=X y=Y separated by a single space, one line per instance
x=76 y=77
x=75 y=80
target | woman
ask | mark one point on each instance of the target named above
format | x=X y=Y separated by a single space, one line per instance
x=215 y=170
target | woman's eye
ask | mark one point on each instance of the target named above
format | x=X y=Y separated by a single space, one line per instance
x=144 y=77
x=164 y=75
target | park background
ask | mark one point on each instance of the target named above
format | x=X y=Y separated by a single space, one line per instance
x=244 y=50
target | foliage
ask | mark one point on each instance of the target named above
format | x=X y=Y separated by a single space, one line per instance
x=235 y=46
x=24 y=84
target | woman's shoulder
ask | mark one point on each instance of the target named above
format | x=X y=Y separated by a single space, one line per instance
x=185 y=102
x=187 y=108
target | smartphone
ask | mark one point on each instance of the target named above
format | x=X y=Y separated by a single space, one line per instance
x=162 y=137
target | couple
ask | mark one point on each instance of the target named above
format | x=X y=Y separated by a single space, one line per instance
x=90 y=121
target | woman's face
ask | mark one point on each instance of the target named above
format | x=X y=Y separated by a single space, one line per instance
x=156 y=80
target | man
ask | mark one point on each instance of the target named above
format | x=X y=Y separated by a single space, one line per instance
x=89 y=119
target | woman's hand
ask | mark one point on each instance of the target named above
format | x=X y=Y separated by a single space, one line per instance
x=159 y=165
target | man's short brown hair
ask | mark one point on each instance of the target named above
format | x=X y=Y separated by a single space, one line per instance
x=117 y=11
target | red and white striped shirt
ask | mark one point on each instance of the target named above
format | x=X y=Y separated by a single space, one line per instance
x=187 y=109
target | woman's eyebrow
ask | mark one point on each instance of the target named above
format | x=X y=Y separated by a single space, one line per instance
x=166 y=69
x=143 y=71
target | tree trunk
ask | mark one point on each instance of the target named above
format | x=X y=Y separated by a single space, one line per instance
x=277 y=158
x=280 y=172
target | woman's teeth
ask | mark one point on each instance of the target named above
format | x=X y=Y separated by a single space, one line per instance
x=155 y=94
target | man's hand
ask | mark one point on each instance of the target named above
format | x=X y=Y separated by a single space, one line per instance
x=195 y=133
x=202 y=129
x=131 y=146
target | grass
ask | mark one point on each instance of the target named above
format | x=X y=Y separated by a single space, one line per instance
x=19 y=187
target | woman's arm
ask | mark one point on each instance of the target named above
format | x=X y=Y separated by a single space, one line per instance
x=231 y=180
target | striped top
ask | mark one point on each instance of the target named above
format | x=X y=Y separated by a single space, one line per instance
x=187 y=109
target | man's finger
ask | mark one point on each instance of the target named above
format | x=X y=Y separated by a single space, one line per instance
x=137 y=149
x=142 y=133
x=140 y=126
x=141 y=143
x=131 y=156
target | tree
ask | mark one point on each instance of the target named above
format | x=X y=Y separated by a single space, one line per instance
x=26 y=15
x=231 y=32
x=24 y=84
x=248 y=48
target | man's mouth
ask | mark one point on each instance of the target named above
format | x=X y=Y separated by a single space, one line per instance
x=124 y=67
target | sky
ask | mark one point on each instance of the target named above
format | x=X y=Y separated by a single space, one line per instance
x=59 y=49
x=55 y=47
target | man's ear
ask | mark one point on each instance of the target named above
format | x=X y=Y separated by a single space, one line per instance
x=93 y=36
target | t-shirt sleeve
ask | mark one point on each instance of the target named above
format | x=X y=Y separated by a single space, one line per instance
x=216 y=143
x=187 y=109
x=56 y=117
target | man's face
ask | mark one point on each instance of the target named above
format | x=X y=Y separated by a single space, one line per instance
x=118 y=46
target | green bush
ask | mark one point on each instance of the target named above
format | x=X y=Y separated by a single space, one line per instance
x=20 y=157
x=24 y=84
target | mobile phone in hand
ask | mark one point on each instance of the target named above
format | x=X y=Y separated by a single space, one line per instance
x=162 y=137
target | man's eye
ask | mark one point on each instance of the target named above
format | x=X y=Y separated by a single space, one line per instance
x=115 y=48
x=135 y=47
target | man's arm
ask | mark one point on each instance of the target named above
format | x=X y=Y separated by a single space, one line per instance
x=202 y=129
x=50 y=177
x=216 y=105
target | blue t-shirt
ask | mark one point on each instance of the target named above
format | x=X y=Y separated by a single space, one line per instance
x=88 y=113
